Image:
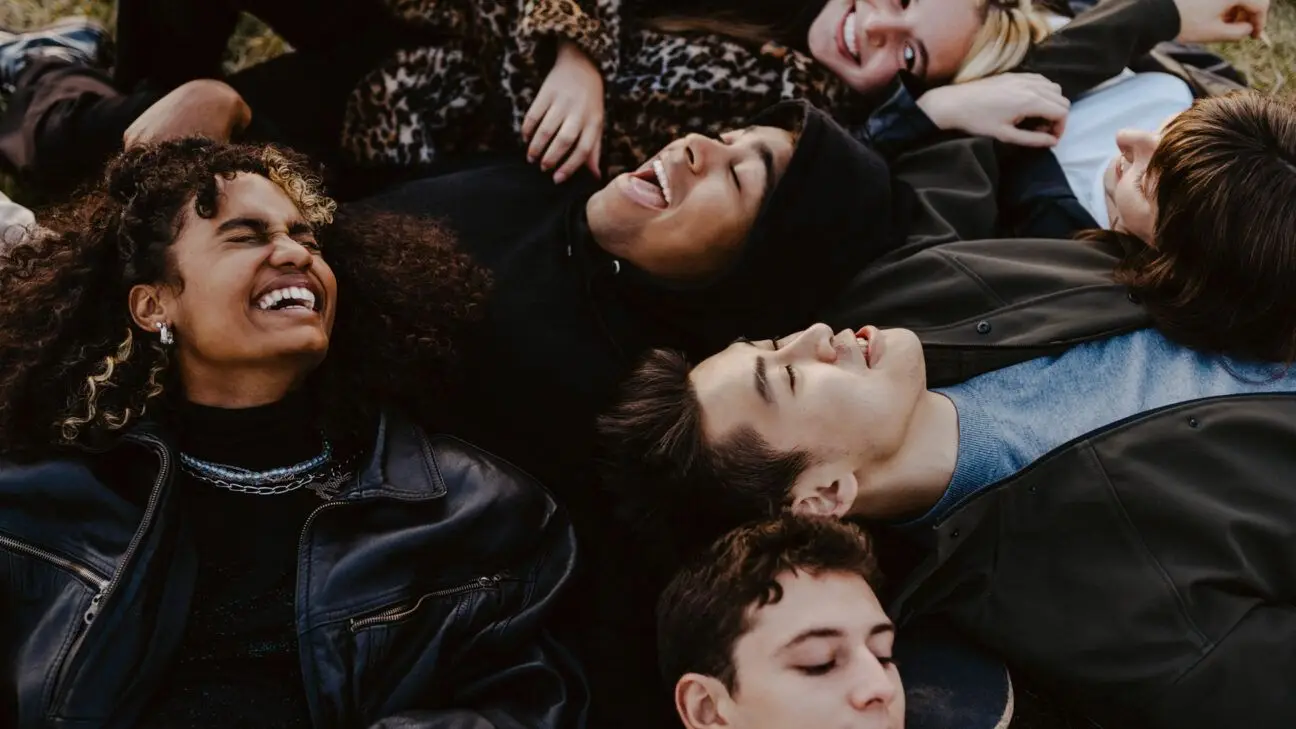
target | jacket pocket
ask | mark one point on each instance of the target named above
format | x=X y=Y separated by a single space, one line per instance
x=403 y=610
x=83 y=574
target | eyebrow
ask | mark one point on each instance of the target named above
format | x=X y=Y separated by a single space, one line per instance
x=261 y=227
x=762 y=381
x=813 y=633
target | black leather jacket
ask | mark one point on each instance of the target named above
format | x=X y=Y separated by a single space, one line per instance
x=421 y=590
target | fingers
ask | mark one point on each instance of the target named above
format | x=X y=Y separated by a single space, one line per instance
x=1026 y=137
x=545 y=133
x=579 y=156
x=1259 y=16
x=569 y=134
x=535 y=115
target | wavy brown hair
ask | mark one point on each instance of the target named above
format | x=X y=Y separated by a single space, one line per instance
x=75 y=370
x=1219 y=277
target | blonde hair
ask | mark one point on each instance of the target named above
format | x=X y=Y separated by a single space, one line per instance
x=1006 y=35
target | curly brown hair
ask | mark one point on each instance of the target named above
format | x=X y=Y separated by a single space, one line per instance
x=75 y=370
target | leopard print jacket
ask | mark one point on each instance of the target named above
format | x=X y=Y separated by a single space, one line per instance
x=471 y=91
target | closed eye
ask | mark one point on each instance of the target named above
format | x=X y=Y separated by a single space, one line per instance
x=733 y=171
x=791 y=378
x=818 y=669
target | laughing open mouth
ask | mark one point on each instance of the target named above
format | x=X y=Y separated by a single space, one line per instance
x=288 y=297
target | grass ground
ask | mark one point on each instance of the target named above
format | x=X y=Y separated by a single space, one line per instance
x=1270 y=67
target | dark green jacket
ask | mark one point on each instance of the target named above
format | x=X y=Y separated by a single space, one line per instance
x=1146 y=572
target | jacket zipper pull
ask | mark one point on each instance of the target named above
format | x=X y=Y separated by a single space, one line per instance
x=93 y=610
x=488 y=581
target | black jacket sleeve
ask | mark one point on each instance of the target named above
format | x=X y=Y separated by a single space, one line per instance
x=1101 y=42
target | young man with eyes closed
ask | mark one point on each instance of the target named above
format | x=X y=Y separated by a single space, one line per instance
x=777 y=626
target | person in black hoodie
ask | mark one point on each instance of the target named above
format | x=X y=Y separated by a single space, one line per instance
x=687 y=250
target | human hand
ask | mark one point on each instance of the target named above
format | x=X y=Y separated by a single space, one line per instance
x=566 y=119
x=208 y=107
x=995 y=106
x=1206 y=21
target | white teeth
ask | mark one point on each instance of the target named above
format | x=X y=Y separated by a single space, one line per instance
x=291 y=293
x=849 y=35
x=659 y=169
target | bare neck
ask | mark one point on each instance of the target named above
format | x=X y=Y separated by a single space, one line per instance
x=911 y=482
x=235 y=388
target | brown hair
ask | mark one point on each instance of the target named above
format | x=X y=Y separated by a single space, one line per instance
x=74 y=368
x=672 y=484
x=708 y=606
x=1220 y=274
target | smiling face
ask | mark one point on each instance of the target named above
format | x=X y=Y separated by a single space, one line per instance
x=819 y=657
x=253 y=291
x=685 y=213
x=1131 y=200
x=847 y=399
x=867 y=42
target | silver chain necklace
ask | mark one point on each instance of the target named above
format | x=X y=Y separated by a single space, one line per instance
x=326 y=483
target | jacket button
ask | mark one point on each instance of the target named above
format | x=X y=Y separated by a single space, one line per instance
x=983 y=327
x=1134 y=299
x=1193 y=423
x=954 y=534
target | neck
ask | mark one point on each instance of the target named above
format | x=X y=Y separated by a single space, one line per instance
x=237 y=388
x=912 y=481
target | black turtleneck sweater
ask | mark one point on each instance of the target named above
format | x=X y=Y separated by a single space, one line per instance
x=238 y=664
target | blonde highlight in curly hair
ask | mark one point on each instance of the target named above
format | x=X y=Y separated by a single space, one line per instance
x=303 y=188
x=1006 y=35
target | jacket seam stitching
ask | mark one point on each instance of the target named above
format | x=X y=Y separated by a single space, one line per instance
x=1207 y=644
x=1026 y=304
x=980 y=282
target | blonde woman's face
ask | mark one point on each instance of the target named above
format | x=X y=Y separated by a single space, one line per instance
x=867 y=42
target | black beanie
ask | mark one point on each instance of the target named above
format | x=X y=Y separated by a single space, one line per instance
x=829 y=216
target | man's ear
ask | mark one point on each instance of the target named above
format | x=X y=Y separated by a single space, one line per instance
x=701 y=702
x=146 y=307
x=830 y=495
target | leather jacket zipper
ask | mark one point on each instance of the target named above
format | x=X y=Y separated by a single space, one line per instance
x=97 y=602
x=404 y=610
x=84 y=574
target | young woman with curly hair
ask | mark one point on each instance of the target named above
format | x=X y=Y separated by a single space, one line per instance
x=217 y=509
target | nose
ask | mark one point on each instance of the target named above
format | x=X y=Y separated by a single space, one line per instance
x=1136 y=144
x=872 y=687
x=881 y=25
x=814 y=342
x=289 y=253
x=699 y=151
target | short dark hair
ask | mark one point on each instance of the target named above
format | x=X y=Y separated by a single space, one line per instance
x=708 y=605
x=668 y=479
x=1219 y=277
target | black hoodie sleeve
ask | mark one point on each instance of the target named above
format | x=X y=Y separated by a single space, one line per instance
x=1101 y=42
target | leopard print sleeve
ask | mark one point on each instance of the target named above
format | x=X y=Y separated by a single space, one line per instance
x=594 y=25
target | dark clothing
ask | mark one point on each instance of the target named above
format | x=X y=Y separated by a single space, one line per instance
x=237 y=663
x=420 y=592
x=1144 y=571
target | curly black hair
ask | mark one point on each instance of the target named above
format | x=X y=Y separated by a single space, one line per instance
x=75 y=371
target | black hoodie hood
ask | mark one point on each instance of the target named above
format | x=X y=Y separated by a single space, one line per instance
x=831 y=214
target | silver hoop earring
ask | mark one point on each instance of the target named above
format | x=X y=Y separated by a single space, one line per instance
x=165 y=335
